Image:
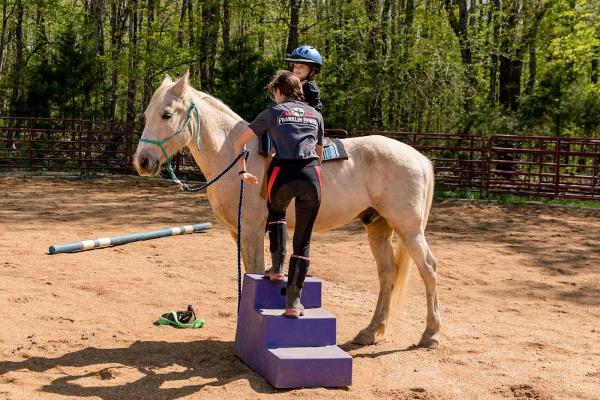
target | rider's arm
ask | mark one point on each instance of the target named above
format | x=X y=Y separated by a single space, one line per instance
x=240 y=143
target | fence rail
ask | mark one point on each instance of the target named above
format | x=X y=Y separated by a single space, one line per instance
x=554 y=167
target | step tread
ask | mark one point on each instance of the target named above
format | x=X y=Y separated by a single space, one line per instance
x=313 y=353
x=258 y=277
x=309 y=313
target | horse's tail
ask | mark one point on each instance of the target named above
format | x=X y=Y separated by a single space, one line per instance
x=403 y=267
x=402 y=258
x=430 y=176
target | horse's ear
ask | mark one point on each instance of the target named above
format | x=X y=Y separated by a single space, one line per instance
x=167 y=79
x=181 y=85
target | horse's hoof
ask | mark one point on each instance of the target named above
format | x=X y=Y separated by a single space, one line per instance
x=429 y=341
x=365 y=338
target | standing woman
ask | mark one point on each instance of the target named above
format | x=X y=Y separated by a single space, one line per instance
x=297 y=133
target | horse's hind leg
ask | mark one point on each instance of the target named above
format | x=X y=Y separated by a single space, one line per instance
x=380 y=240
x=416 y=245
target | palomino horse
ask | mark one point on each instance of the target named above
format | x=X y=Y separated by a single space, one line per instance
x=385 y=183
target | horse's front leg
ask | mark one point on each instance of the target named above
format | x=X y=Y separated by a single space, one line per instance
x=253 y=254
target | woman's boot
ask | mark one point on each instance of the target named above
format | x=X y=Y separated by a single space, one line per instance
x=277 y=239
x=296 y=275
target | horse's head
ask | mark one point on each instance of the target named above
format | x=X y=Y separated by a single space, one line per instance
x=169 y=125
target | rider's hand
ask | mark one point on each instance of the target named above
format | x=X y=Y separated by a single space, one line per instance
x=249 y=178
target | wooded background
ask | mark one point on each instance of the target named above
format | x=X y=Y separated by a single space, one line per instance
x=466 y=66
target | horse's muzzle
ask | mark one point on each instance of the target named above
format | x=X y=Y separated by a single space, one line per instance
x=146 y=164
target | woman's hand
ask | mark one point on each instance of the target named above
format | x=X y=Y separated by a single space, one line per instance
x=249 y=178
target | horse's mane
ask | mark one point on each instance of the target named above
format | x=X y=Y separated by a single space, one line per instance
x=216 y=103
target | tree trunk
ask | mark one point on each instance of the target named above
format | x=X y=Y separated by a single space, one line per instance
x=190 y=13
x=191 y=33
x=532 y=46
x=292 y=42
x=511 y=60
x=473 y=13
x=493 y=18
x=392 y=109
x=409 y=13
x=373 y=38
x=409 y=38
x=132 y=64
x=96 y=14
x=261 y=35
x=149 y=50
x=208 y=42
x=119 y=18
x=226 y=24
x=15 y=97
x=3 y=34
x=459 y=26
x=180 y=32
x=40 y=33
x=385 y=27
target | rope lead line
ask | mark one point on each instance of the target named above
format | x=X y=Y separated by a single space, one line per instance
x=244 y=153
x=186 y=188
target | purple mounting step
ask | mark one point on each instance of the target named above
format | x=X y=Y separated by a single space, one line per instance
x=263 y=293
x=293 y=367
x=289 y=353
x=315 y=328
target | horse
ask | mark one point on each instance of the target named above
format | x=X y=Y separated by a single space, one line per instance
x=387 y=184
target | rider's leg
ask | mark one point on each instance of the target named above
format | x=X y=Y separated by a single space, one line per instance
x=307 y=207
x=277 y=227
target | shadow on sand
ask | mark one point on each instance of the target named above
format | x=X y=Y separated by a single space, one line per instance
x=211 y=360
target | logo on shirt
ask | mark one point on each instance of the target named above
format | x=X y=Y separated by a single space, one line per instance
x=297 y=115
x=297 y=112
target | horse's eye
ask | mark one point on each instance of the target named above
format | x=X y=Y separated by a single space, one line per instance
x=167 y=115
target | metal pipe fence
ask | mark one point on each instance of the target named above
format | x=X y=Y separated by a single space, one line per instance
x=539 y=166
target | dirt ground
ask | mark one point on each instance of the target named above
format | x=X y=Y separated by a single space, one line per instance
x=519 y=292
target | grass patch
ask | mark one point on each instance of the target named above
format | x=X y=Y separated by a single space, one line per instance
x=515 y=199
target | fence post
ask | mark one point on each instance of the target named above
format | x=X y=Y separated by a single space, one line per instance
x=488 y=172
x=482 y=168
x=30 y=146
x=79 y=148
x=557 y=166
x=128 y=148
x=595 y=170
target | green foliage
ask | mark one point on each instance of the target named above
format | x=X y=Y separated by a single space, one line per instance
x=242 y=77
x=410 y=65
x=67 y=81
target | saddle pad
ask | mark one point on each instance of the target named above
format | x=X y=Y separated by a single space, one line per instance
x=333 y=148
x=334 y=151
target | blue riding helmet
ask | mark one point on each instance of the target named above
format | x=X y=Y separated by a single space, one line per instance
x=306 y=54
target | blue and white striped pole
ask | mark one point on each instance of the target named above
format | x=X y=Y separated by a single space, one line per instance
x=134 y=237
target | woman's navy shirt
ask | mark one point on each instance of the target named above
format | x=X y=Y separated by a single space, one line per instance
x=294 y=127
